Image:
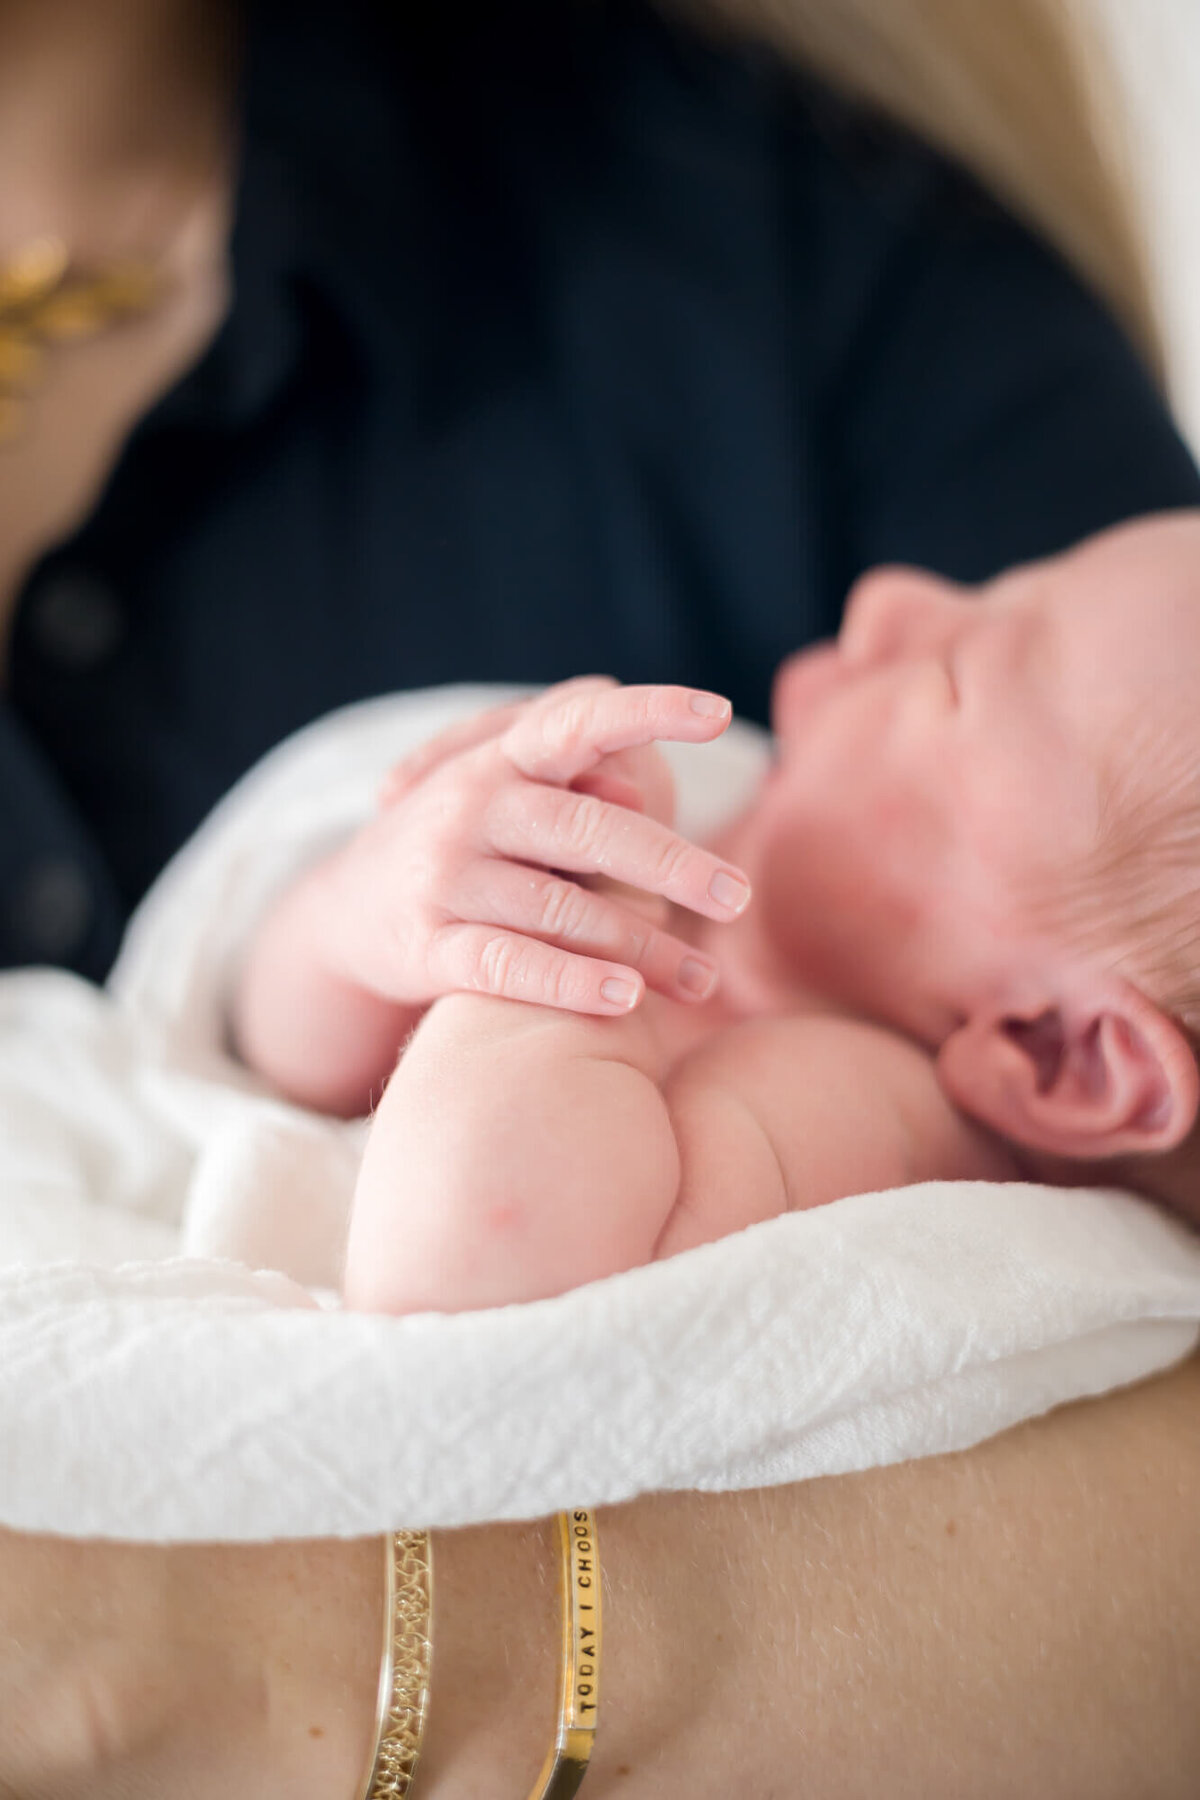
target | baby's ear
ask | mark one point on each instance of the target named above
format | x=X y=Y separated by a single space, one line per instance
x=1087 y=1079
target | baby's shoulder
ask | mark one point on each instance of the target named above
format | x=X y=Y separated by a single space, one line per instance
x=864 y=1085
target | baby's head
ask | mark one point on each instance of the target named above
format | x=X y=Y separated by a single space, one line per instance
x=990 y=801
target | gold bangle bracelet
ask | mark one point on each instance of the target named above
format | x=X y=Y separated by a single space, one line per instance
x=579 y=1673
x=405 y=1665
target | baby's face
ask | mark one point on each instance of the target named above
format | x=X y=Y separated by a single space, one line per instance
x=955 y=759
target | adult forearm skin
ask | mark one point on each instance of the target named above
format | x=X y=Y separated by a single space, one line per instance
x=1020 y=1619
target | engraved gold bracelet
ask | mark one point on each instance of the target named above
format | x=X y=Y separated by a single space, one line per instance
x=404 y=1668
x=406 y=1663
x=579 y=1673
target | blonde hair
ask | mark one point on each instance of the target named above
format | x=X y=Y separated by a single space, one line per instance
x=1018 y=91
x=1140 y=887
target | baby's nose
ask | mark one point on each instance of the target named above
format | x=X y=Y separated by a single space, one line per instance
x=898 y=611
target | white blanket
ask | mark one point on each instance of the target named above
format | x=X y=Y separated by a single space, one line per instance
x=185 y=1373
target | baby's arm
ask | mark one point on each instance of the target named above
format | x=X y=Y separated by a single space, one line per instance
x=517 y=1152
x=301 y=1017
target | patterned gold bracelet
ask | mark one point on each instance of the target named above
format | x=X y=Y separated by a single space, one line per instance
x=579 y=1673
x=406 y=1663
x=405 y=1666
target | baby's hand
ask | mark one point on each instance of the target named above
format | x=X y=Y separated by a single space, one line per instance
x=460 y=884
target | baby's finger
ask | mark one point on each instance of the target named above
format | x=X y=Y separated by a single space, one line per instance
x=413 y=768
x=647 y=769
x=606 y=784
x=538 y=904
x=483 y=959
x=557 y=829
x=561 y=736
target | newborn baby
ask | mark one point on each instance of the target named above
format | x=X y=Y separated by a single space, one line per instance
x=971 y=952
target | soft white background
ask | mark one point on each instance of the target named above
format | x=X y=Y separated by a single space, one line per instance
x=1158 y=45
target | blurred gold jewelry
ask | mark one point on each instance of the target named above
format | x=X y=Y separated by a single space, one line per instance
x=579 y=1672
x=45 y=300
x=404 y=1669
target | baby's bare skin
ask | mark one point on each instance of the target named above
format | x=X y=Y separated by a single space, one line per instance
x=903 y=1001
x=967 y=953
x=463 y=883
x=519 y=1152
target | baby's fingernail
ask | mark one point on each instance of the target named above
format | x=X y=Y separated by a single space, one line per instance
x=709 y=706
x=696 y=977
x=622 y=994
x=729 y=891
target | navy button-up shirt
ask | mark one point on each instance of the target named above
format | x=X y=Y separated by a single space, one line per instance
x=560 y=342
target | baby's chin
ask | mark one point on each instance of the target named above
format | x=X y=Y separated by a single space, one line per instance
x=895 y=952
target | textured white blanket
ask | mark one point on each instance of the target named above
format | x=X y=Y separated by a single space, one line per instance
x=185 y=1374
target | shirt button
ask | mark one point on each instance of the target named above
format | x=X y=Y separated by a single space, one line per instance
x=75 y=619
x=50 y=910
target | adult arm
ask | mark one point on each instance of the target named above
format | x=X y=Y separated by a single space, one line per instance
x=1020 y=1618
